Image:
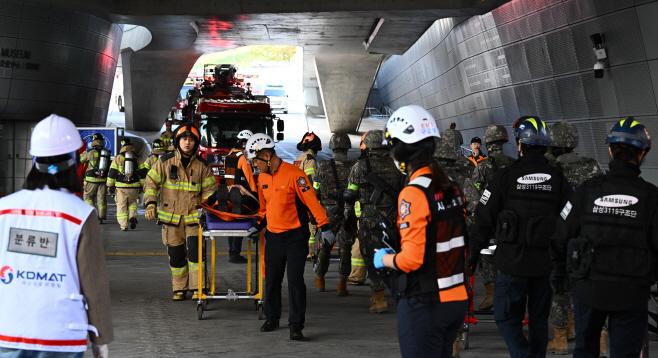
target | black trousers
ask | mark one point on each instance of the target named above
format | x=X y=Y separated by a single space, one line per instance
x=625 y=328
x=234 y=246
x=287 y=248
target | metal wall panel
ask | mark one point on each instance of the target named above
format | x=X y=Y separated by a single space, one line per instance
x=634 y=89
x=572 y=97
x=622 y=36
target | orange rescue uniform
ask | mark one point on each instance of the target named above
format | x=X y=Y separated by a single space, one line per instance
x=248 y=172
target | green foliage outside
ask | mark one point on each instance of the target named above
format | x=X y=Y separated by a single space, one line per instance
x=248 y=55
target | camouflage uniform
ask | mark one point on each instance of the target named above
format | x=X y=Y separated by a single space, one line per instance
x=446 y=154
x=328 y=192
x=576 y=169
x=370 y=235
x=306 y=162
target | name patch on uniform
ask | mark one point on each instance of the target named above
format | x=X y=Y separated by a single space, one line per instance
x=533 y=178
x=566 y=210
x=485 y=197
x=32 y=242
x=301 y=182
x=404 y=209
x=305 y=189
x=404 y=226
x=616 y=201
x=264 y=186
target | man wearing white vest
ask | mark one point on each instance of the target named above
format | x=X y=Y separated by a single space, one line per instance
x=53 y=282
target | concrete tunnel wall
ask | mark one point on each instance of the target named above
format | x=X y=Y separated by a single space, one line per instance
x=531 y=57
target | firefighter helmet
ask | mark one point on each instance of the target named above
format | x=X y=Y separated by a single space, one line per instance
x=256 y=143
x=631 y=132
x=97 y=140
x=187 y=130
x=310 y=141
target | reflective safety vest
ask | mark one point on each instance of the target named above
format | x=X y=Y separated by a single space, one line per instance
x=616 y=223
x=233 y=174
x=443 y=260
x=42 y=305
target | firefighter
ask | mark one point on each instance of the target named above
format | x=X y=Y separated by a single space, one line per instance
x=95 y=188
x=167 y=137
x=606 y=241
x=476 y=154
x=427 y=251
x=158 y=151
x=55 y=317
x=330 y=182
x=521 y=205
x=310 y=145
x=185 y=180
x=377 y=193
x=239 y=175
x=286 y=197
x=125 y=176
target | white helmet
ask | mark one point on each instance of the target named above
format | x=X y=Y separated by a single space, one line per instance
x=245 y=134
x=54 y=136
x=257 y=142
x=410 y=124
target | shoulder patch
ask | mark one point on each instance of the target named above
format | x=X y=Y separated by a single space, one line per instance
x=405 y=209
x=239 y=154
x=422 y=181
x=297 y=163
x=566 y=210
x=301 y=182
x=485 y=197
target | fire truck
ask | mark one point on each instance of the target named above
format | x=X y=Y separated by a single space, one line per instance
x=221 y=109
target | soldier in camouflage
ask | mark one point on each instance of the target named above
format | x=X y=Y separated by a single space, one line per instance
x=329 y=183
x=378 y=161
x=494 y=137
x=577 y=169
x=466 y=166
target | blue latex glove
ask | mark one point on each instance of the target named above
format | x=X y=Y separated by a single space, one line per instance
x=379 y=255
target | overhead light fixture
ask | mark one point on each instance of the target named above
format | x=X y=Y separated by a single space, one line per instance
x=371 y=38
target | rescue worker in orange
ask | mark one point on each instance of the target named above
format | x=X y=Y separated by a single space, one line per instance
x=286 y=197
x=476 y=154
x=186 y=180
x=427 y=253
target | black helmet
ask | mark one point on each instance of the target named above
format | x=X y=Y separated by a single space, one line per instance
x=532 y=131
x=187 y=129
x=125 y=142
x=310 y=141
x=631 y=132
x=97 y=136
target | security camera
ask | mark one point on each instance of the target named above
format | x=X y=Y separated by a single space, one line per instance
x=599 y=68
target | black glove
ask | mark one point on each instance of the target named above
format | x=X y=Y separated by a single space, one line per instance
x=559 y=282
x=212 y=199
x=350 y=221
x=111 y=189
x=472 y=260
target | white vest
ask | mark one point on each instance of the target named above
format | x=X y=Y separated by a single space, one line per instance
x=40 y=301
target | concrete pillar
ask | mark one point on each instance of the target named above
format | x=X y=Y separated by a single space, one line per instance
x=313 y=101
x=151 y=83
x=345 y=81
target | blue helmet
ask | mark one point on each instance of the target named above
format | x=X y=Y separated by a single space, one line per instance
x=532 y=131
x=631 y=132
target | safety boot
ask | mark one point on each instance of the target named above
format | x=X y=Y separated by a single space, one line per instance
x=487 y=304
x=342 y=287
x=559 y=344
x=100 y=221
x=222 y=198
x=179 y=296
x=603 y=348
x=571 y=329
x=133 y=223
x=378 y=302
x=236 y=199
x=319 y=282
x=455 y=346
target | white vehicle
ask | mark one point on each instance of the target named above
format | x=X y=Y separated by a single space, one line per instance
x=278 y=98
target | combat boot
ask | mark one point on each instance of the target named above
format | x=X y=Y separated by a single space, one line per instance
x=378 y=302
x=559 y=344
x=342 y=287
x=571 y=329
x=455 y=346
x=487 y=304
x=603 y=348
x=319 y=282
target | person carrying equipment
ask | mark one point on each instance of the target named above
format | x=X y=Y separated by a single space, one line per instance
x=46 y=229
x=286 y=197
x=185 y=180
x=330 y=182
x=310 y=145
x=606 y=241
x=375 y=181
x=521 y=205
x=98 y=167
x=125 y=175
x=577 y=169
x=426 y=252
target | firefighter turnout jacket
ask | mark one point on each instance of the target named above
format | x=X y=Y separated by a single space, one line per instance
x=306 y=162
x=92 y=157
x=117 y=176
x=286 y=197
x=607 y=239
x=432 y=230
x=521 y=205
x=238 y=171
x=182 y=188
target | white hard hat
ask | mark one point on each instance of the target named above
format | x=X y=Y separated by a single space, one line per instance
x=245 y=134
x=54 y=136
x=410 y=124
x=257 y=142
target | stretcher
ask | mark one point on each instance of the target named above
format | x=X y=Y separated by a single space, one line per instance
x=213 y=227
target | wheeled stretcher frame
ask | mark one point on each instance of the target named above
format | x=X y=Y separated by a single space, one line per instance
x=250 y=293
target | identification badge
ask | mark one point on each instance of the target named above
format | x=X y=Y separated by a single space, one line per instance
x=485 y=197
x=32 y=242
x=566 y=210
